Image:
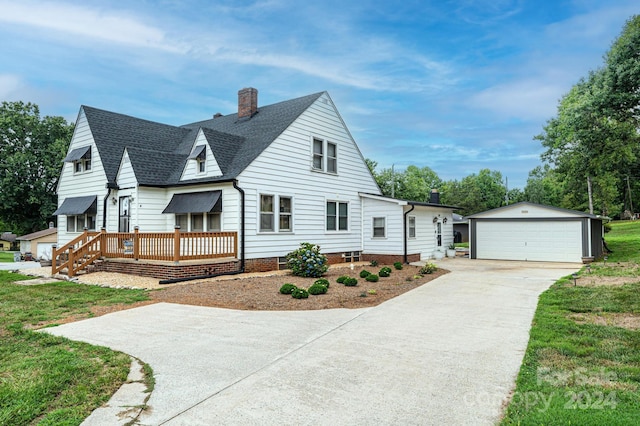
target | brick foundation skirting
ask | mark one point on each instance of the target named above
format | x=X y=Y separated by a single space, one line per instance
x=172 y=271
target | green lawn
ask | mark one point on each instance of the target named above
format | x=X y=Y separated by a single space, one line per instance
x=49 y=380
x=6 y=256
x=582 y=364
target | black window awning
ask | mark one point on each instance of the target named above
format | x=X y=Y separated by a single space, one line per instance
x=78 y=205
x=198 y=152
x=77 y=154
x=195 y=202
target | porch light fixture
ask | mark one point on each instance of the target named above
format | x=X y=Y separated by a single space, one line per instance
x=435 y=219
x=444 y=220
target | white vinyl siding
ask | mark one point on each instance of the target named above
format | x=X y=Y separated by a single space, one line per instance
x=309 y=189
x=71 y=184
x=199 y=168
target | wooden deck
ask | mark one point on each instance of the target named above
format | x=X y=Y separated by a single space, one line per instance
x=175 y=246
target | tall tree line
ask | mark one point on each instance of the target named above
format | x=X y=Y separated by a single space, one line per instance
x=31 y=152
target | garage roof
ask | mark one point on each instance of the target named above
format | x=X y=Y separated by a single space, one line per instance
x=521 y=209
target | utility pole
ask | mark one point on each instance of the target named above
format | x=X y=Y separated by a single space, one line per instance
x=630 y=198
x=506 y=194
x=393 y=182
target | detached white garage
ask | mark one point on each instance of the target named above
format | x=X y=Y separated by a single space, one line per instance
x=528 y=231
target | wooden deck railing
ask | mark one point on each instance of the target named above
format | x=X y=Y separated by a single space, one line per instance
x=171 y=246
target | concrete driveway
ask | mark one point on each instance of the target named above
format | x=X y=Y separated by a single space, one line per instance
x=446 y=353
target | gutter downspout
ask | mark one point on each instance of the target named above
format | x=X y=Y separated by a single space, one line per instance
x=109 y=187
x=242 y=223
x=404 y=233
x=242 y=263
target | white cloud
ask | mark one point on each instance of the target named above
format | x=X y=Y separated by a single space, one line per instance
x=527 y=99
x=109 y=26
x=10 y=85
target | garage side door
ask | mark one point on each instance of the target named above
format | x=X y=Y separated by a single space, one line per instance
x=552 y=241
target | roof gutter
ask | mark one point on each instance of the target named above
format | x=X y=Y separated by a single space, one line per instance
x=404 y=233
x=242 y=252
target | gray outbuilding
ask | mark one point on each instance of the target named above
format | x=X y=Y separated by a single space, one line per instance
x=534 y=232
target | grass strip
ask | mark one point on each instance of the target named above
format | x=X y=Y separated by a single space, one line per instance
x=51 y=380
x=582 y=364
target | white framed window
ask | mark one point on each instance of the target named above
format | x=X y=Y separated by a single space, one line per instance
x=182 y=220
x=337 y=216
x=325 y=156
x=284 y=214
x=412 y=226
x=266 y=213
x=318 y=154
x=82 y=165
x=213 y=222
x=269 y=205
x=201 y=165
x=332 y=158
x=77 y=223
x=379 y=227
x=198 y=222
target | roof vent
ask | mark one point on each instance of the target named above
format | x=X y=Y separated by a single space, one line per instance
x=217 y=115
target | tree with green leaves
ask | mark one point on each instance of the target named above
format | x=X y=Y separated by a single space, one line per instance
x=31 y=153
x=544 y=186
x=593 y=141
x=476 y=193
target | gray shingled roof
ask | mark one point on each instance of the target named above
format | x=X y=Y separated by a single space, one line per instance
x=158 y=152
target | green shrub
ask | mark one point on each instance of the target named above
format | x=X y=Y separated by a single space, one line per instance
x=350 y=282
x=300 y=293
x=307 y=261
x=429 y=268
x=373 y=263
x=372 y=278
x=384 y=272
x=364 y=273
x=397 y=265
x=287 y=288
x=342 y=279
x=316 y=289
x=322 y=281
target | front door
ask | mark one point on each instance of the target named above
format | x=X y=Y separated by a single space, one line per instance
x=125 y=215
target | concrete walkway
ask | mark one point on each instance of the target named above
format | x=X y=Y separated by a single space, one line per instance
x=446 y=353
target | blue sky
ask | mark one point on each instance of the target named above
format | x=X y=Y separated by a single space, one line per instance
x=457 y=86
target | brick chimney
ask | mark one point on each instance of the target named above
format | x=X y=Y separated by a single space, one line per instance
x=247 y=102
x=435 y=197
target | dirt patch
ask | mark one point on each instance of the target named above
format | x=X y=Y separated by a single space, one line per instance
x=623 y=320
x=262 y=293
x=598 y=281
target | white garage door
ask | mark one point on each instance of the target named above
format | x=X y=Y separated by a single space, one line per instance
x=44 y=251
x=554 y=241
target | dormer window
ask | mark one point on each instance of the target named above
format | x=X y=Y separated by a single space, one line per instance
x=81 y=159
x=199 y=154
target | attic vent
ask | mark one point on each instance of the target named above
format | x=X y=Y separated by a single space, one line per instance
x=524 y=211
